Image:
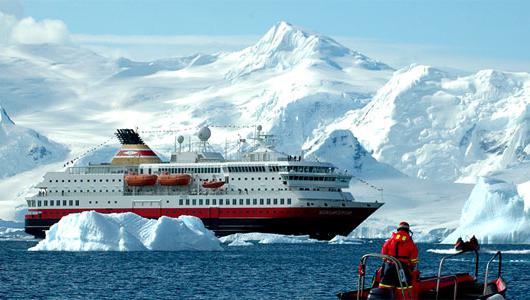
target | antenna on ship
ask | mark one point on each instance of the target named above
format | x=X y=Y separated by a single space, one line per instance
x=204 y=134
x=180 y=140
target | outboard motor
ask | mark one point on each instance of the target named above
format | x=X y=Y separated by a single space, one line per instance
x=381 y=294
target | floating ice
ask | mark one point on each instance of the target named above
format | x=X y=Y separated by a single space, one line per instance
x=495 y=214
x=10 y=230
x=443 y=251
x=345 y=240
x=265 y=238
x=92 y=231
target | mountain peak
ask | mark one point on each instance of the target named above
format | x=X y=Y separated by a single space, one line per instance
x=283 y=37
x=4 y=117
x=284 y=46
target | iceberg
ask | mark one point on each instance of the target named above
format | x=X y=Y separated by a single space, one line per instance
x=92 y=231
x=495 y=213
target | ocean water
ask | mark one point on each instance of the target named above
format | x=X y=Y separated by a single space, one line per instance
x=276 y=271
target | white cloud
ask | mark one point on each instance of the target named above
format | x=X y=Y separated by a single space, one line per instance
x=30 y=31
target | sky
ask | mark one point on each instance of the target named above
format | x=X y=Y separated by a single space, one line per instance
x=464 y=34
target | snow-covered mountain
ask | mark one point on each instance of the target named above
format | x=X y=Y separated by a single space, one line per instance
x=431 y=124
x=310 y=91
x=285 y=46
x=344 y=150
x=22 y=149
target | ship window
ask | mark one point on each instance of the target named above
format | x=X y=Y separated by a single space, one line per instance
x=252 y=178
x=56 y=180
x=81 y=180
x=193 y=202
x=282 y=201
x=288 y=200
x=261 y=201
x=50 y=180
x=200 y=201
x=207 y=201
x=51 y=202
x=187 y=201
x=64 y=202
x=108 y=202
x=94 y=191
x=248 y=201
x=275 y=201
x=101 y=191
x=214 y=202
x=119 y=180
x=240 y=201
x=268 y=201
x=107 y=180
x=45 y=202
x=234 y=201
x=76 y=202
x=71 y=202
x=62 y=180
x=166 y=201
x=220 y=201
x=238 y=178
x=181 y=201
x=246 y=178
x=255 y=201
x=39 y=203
x=89 y=202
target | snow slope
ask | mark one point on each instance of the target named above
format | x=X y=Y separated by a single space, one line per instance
x=22 y=149
x=344 y=150
x=430 y=124
x=495 y=213
x=92 y=231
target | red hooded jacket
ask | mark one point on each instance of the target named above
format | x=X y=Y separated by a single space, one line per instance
x=401 y=246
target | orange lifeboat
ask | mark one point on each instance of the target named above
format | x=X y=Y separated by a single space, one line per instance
x=140 y=180
x=212 y=184
x=176 y=179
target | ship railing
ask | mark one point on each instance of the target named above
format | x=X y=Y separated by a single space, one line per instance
x=102 y=169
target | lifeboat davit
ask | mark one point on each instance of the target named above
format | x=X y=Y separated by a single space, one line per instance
x=212 y=184
x=174 y=179
x=140 y=180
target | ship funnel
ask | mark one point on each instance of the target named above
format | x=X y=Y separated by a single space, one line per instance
x=133 y=150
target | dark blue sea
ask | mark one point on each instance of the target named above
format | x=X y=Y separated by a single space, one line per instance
x=277 y=271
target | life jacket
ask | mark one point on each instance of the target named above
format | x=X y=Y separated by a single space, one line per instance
x=402 y=247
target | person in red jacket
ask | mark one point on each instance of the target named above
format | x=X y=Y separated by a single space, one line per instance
x=402 y=247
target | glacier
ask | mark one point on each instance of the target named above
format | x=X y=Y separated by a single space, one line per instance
x=495 y=213
x=92 y=231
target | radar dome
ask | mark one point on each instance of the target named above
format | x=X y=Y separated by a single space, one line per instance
x=204 y=134
x=180 y=139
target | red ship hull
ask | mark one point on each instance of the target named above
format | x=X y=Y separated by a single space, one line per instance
x=320 y=223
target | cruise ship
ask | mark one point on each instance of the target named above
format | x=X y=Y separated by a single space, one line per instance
x=262 y=190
